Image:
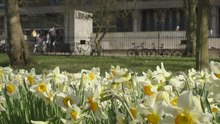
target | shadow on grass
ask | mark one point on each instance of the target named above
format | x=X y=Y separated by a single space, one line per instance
x=4 y=60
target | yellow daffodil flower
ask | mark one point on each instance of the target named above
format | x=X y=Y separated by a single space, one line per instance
x=187 y=111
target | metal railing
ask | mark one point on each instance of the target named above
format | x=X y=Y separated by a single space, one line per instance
x=122 y=41
x=171 y=40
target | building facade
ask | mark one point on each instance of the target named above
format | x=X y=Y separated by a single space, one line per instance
x=143 y=15
x=166 y=15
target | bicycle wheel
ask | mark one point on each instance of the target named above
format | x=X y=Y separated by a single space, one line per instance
x=131 y=52
x=151 y=52
x=171 y=52
x=161 y=52
x=85 y=47
x=177 y=52
x=144 y=52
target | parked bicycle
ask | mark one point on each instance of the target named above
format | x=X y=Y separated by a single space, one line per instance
x=137 y=50
x=156 y=51
x=181 y=49
x=82 y=47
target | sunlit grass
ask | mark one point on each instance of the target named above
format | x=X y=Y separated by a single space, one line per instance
x=76 y=63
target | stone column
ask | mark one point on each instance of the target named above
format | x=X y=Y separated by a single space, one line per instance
x=137 y=18
x=170 y=20
x=155 y=20
x=214 y=22
x=69 y=29
x=69 y=26
x=148 y=21
x=66 y=29
x=178 y=18
x=163 y=18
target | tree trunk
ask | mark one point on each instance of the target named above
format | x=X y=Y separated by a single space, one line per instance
x=98 y=39
x=186 y=14
x=202 y=51
x=18 y=50
x=190 y=15
x=192 y=26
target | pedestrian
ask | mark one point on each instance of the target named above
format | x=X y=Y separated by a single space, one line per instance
x=34 y=33
x=48 y=41
x=177 y=28
x=52 y=32
x=36 y=37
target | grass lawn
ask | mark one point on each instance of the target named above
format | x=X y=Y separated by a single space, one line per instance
x=76 y=63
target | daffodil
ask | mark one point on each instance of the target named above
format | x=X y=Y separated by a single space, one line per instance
x=93 y=74
x=146 y=86
x=159 y=76
x=156 y=78
x=120 y=75
x=5 y=72
x=42 y=89
x=68 y=97
x=134 y=109
x=214 y=84
x=74 y=115
x=155 y=97
x=192 y=74
x=215 y=68
x=93 y=102
x=149 y=89
x=197 y=79
x=49 y=98
x=174 y=100
x=11 y=89
x=203 y=77
x=74 y=79
x=90 y=77
x=118 y=78
x=19 y=78
x=178 y=82
x=57 y=77
x=215 y=109
x=30 y=77
x=163 y=71
x=187 y=111
x=163 y=96
x=96 y=108
x=152 y=109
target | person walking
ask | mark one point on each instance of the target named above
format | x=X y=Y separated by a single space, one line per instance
x=52 y=32
x=36 y=36
x=48 y=42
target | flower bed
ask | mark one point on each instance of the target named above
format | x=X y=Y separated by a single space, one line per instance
x=120 y=96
